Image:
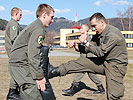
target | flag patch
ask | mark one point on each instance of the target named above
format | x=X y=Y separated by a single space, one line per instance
x=40 y=39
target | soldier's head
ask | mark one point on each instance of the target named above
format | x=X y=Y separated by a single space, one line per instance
x=84 y=28
x=16 y=13
x=98 y=22
x=45 y=13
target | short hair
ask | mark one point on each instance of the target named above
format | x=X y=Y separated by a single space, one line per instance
x=44 y=8
x=87 y=26
x=15 y=10
x=98 y=16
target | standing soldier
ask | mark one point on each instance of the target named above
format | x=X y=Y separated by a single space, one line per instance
x=111 y=60
x=78 y=76
x=12 y=31
x=25 y=62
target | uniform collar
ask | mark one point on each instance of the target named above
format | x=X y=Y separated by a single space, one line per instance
x=14 y=20
x=105 y=31
x=39 y=22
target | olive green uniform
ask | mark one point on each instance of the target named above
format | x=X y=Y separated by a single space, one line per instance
x=111 y=61
x=12 y=31
x=25 y=60
x=92 y=76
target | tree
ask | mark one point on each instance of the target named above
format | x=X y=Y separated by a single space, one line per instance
x=129 y=15
x=49 y=40
x=121 y=18
x=126 y=17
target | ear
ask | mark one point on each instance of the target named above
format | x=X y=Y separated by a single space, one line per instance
x=102 y=22
x=15 y=14
x=44 y=15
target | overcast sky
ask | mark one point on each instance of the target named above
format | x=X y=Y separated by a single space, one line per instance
x=64 y=8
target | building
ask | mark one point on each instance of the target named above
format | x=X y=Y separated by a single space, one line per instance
x=2 y=41
x=61 y=40
x=67 y=35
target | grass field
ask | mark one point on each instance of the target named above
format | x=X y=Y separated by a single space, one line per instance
x=59 y=83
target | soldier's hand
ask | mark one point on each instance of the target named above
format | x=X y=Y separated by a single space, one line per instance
x=71 y=44
x=82 y=37
x=41 y=84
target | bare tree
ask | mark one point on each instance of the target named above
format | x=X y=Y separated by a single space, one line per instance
x=129 y=15
x=121 y=18
x=49 y=37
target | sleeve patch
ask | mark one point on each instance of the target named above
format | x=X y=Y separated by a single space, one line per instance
x=40 y=39
x=14 y=28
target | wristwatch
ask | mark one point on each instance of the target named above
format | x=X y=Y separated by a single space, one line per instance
x=84 y=42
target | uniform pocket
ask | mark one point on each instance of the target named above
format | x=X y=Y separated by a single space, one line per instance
x=30 y=92
x=118 y=90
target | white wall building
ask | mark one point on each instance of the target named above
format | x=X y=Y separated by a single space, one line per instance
x=2 y=41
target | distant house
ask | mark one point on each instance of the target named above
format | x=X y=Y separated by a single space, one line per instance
x=2 y=41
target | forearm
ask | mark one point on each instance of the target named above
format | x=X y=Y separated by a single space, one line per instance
x=76 y=47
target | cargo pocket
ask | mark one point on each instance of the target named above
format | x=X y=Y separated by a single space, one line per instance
x=118 y=90
x=114 y=81
x=117 y=82
x=30 y=92
x=28 y=74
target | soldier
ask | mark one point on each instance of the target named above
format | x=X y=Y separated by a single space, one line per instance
x=78 y=76
x=111 y=60
x=12 y=31
x=25 y=62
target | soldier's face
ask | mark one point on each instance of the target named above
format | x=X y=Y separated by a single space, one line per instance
x=19 y=15
x=49 y=19
x=83 y=29
x=97 y=25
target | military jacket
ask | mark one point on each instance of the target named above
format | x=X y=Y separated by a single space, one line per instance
x=12 y=31
x=25 y=51
x=111 y=46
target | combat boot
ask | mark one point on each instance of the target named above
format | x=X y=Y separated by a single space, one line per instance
x=100 y=90
x=72 y=90
x=53 y=71
x=13 y=95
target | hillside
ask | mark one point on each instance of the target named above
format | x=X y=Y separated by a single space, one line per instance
x=2 y=24
x=65 y=23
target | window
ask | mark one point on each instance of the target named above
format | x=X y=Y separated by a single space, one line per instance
x=2 y=44
x=73 y=37
x=57 y=39
x=129 y=44
x=2 y=38
x=72 y=31
x=128 y=36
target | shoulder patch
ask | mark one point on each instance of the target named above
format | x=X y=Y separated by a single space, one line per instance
x=40 y=39
x=14 y=28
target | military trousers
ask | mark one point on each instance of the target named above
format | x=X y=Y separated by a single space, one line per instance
x=114 y=76
x=13 y=84
x=92 y=76
x=28 y=86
